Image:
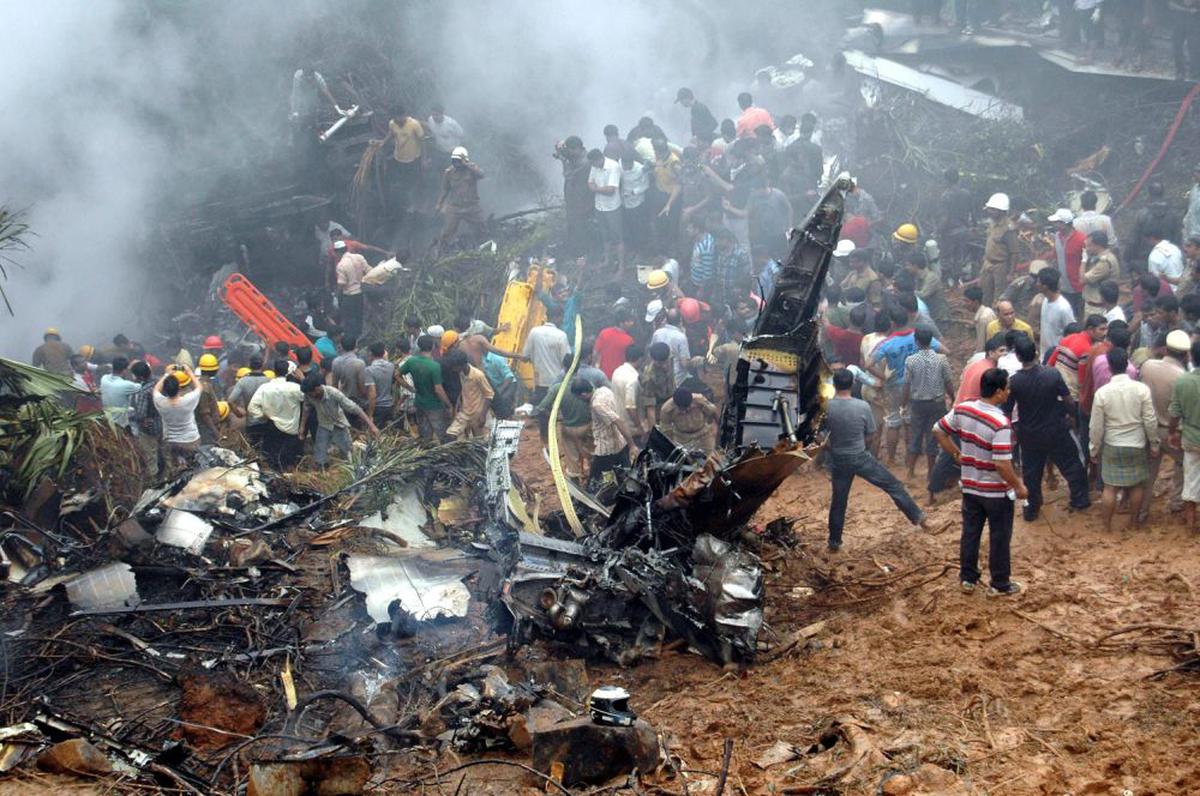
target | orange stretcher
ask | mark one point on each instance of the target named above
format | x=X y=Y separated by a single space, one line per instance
x=257 y=311
x=522 y=311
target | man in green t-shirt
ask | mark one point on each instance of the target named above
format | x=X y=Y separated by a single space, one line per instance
x=1184 y=432
x=431 y=403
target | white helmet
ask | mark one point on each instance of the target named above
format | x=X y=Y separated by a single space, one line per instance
x=459 y=153
x=843 y=248
x=998 y=201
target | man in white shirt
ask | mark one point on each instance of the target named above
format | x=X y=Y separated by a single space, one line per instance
x=666 y=323
x=604 y=181
x=351 y=269
x=274 y=419
x=545 y=347
x=625 y=387
x=983 y=314
x=1110 y=296
x=787 y=133
x=1165 y=260
x=1089 y=221
x=635 y=182
x=1056 y=311
x=447 y=133
x=1123 y=429
x=175 y=397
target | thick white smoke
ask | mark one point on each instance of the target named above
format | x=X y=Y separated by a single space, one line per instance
x=111 y=106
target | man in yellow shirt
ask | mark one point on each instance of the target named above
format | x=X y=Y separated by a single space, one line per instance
x=408 y=139
x=667 y=167
x=1006 y=319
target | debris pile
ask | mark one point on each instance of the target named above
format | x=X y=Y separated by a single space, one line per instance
x=232 y=618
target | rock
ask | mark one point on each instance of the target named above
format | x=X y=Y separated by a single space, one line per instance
x=219 y=701
x=569 y=678
x=75 y=756
x=539 y=717
x=892 y=702
x=130 y=534
x=327 y=776
x=899 y=785
x=593 y=753
x=928 y=780
x=244 y=552
x=934 y=780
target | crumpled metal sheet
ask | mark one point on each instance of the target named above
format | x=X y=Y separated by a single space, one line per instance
x=506 y=435
x=731 y=589
x=426 y=589
x=209 y=490
x=111 y=586
x=184 y=529
x=405 y=517
x=719 y=498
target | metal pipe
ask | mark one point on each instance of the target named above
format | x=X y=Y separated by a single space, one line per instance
x=347 y=116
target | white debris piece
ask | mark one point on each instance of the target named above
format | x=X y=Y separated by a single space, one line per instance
x=423 y=590
x=184 y=529
x=111 y=586
x=405 y=517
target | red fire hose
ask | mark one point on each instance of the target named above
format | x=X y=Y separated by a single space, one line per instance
x=1166 y=144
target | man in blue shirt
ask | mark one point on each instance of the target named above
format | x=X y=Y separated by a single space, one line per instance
x=887 y=363
x=116 y=392
x=504 y=384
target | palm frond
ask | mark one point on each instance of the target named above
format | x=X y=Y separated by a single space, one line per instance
x=39 y=432
x=14 y=237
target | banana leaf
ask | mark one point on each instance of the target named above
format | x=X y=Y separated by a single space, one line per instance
x=39 y=433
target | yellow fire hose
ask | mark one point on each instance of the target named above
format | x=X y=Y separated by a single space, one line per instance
x=560 y=479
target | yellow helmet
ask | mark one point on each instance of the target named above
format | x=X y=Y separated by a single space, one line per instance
x=86 y=351
x=181 y=376
x=906 y=233
x=657 y=279
x=222 y=409
x=270 y=374
x=208 y=362
x=242 y=371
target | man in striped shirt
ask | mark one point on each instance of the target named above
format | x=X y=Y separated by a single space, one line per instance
x=1073 y=352
x=989 y=482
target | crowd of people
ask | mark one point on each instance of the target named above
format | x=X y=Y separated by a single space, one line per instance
x=1074 y=358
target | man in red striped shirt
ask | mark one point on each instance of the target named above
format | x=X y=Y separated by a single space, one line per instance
x=1073 y=352
x=989 y=482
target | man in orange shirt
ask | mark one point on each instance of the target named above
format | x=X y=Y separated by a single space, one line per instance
x=968 y=386
x=751 y=116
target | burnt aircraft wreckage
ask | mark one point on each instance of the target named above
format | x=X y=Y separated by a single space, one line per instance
x=666 y=558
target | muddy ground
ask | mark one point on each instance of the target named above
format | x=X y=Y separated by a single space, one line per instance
x=1013 y=696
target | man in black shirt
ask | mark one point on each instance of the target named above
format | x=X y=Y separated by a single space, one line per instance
x=702 y=119
x=1043 y=403
x=578 y=201
x=953 y=226
x=804 y=155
